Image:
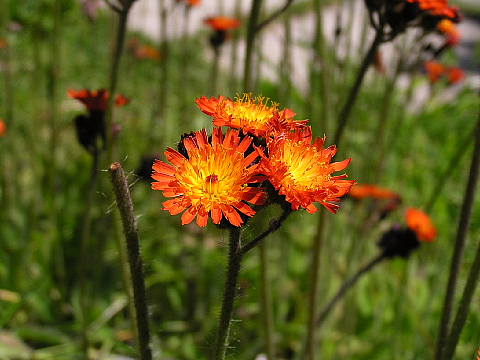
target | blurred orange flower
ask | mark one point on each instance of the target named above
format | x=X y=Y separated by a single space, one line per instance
x=96 y=99
x=3 y=43
x=449 y=29
x=147 y=52
x=362 y=191
x=222 y=23
x=213 y=178
x=257 y=116
x=191 y=2
x=439 y=8
x=434 y=70
x=455 y=75
x=3 y=128
x=302 y=171
x=421 y=223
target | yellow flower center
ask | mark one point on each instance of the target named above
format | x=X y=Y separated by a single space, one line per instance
x=209 y=179
x=248 y=110
x=305 y=166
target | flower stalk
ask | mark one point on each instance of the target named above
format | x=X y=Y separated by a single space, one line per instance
x=458 y=251
x=125 y=207
x=266 y=300
x=230 y=290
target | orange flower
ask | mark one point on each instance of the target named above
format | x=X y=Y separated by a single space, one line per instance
x=421 y=223
x=3 y=128
x=450 y=30
x=222 y=23
x=455 y=75
x=434 y=70
x=362 y=191
x=213 y=178
x=303 y=172
x=96 y=100
x=438 y=8
x=3 y=43
x=191 y=2
x=147 y=52
x=257 y=116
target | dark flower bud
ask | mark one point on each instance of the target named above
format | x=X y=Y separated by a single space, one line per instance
x=398 y=241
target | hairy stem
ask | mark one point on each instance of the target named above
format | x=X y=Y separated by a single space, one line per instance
x=266 y=301
x=125 y=207
x=230 y=290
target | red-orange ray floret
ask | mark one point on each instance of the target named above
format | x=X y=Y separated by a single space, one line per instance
x=96 y=99
x=214 y=180
x=303 y=171
x=362 y=191
x=222 y=23
x=257 y=116
x=435 y=70
x=420 y=222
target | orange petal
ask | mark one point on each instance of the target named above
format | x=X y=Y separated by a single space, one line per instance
x=174 y=157
x=189 y=215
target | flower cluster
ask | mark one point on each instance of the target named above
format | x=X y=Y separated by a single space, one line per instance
x=91 y=128
x=402 y=240
x=398 y=15
x=437 y=71
x=265 y=156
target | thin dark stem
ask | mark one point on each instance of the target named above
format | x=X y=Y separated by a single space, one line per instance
x=349 y=283
x=113 y=76
x=125 y=207
x=457 y=257
x=230 y=290
x=251 y=32
x=233 y=65
x=447 y=173
x=266 y=302
x=274 y=225
x=273 y=16
x=463 y=308
x=314 y=287
x=353 y=95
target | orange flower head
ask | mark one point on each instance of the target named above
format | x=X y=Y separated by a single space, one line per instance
x=421 y=223
x=257 y=116
x=434 y=70
x=147 y=52
x=3 y=43
x=449 y=29
x=96 y=100
x=455 y=75
x=303 y=172
x=222 y=23
x=191 y=2
x=362 y=191
x=3 y=128
x=214 y=178
x=438 y=8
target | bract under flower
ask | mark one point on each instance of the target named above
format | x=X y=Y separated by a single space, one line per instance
x=303 y=172
x=257 y=116
x=421 y=223
x=213 y=180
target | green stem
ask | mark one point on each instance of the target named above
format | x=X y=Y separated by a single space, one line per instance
x=251 y=32
x=184 y=64
x=460 y=240
x=125 y=207
x=113 y=76
x=314 y=283
x=266 y=301
x=447 y=172
x=348 y=284
x=233 y=270
x=286 y=64
x=463 y=307
x=233 y=63
x=355 y=90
